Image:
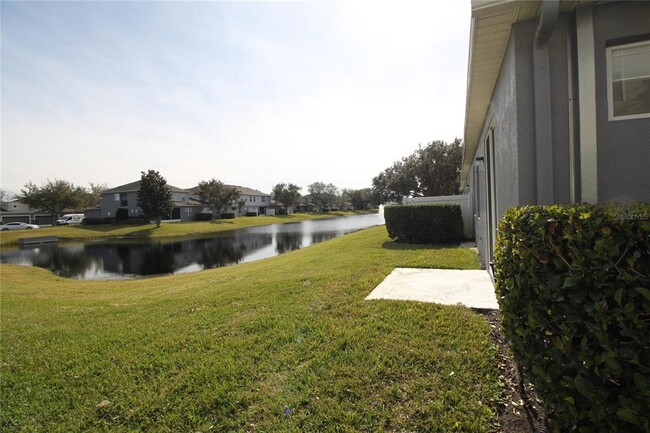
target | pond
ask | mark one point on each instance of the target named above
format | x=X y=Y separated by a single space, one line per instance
x=129 y=258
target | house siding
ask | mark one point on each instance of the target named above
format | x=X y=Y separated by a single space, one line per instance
x=511 y=119
x=109 y=205
x=623 y=145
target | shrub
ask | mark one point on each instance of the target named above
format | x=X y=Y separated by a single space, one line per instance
x=251 y=214
x=203 y=216
x=424 y=224
x=227 y=216
x=96 y=221
x=573 y=284
x=121 y=214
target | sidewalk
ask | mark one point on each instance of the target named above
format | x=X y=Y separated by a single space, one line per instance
x=472 y=288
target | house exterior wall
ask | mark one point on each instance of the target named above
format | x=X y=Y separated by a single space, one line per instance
x=623 y=145
x=255 y=203
x=511 y=121
x=188 y=213
x=502 y=118
x=111 y=202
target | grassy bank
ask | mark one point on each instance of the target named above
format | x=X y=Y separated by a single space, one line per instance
x=286 y=344
x=165 y=230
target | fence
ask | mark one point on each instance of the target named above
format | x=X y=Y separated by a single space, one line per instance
x=462 y=200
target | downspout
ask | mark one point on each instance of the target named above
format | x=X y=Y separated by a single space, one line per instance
x=542 y=102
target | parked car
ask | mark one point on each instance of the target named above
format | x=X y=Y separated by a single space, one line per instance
x=18 y=226
x=71 y=218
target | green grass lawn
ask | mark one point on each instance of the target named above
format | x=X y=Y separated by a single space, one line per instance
x=165 y=230
x=285 y=344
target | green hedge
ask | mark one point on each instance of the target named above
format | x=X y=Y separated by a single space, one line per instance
x=573 y=284
x=424 y=224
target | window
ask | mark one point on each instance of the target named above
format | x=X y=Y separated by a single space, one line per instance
x=628 y=74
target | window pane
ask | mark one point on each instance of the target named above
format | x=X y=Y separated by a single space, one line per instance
x=631 y=62
x=631 y=97
x=630 y=86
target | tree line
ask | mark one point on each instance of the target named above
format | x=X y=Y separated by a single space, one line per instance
x=323 y=196
x=155 y=199
x=431 y=170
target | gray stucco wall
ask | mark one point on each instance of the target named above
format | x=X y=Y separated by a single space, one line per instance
x=502 y=118
x=512 y=117
x=524 y=35
x=109 y=205
x=623 y=145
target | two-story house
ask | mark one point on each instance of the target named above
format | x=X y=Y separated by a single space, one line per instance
x=186 y=204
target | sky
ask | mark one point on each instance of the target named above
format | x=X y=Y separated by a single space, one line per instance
x=250 y=93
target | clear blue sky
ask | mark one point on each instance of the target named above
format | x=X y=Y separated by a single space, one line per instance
x=251 y=93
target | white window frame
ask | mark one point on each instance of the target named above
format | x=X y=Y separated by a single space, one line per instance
x=610 y=92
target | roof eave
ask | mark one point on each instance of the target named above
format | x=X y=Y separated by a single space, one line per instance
x=491 y=21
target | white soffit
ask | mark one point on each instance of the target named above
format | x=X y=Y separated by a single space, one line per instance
x=491 y=24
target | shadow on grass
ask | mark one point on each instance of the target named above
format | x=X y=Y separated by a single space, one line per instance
x=107 y=227
x=144 y=233
x=389 y=245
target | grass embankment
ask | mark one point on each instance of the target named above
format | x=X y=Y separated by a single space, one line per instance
x=285 y=344
x=165 y=230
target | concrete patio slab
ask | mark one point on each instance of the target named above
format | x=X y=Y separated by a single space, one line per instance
x=471 y=288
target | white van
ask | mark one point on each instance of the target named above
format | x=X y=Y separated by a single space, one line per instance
x=71 y=218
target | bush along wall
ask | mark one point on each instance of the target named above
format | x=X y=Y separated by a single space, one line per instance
x=573 y=284
x=424 y=224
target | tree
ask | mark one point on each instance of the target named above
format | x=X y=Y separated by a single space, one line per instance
x=429 y=171
x=154 y=196
x=323 y=195
x=217 y=195
x=51 y=197
x=286 y=194
x=361 y=198
x=437 y=167
x=89 y=197
x=344 y=197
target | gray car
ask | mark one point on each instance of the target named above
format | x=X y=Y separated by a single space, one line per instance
x=18 y=226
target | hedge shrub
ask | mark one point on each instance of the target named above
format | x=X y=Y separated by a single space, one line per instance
x=227 y=215
x=121 y=213
x=424 y=224
x=97 y=221
x=203 y=216
x=573 y=284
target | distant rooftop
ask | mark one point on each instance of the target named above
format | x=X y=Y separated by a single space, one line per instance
x=135 y=186
x=242 y=190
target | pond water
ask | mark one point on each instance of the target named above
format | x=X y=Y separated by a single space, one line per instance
x=128 y=258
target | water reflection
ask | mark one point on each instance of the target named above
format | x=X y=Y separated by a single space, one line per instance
x=115 y=259
x=288 y=241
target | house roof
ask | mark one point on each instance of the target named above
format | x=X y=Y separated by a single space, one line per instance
x=135 y=186
x=242 y=190
x=188 y=202
x=492 y=22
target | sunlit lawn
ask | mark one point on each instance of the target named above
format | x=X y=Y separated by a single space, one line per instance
x=286 y=344
x=165 y=230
